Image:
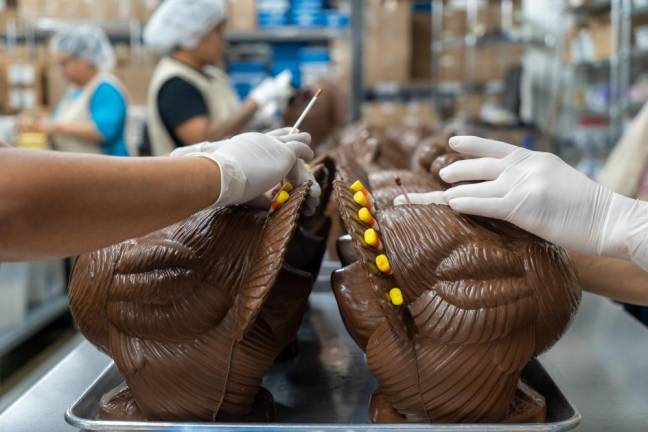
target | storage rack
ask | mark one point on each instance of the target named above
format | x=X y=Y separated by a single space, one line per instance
x=435 y=91
x=619 y=66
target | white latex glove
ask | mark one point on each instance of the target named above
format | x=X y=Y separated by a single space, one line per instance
x=300 y=174
x=251 y=163
x=275 y=89
x=282 y=134
x=542 y=194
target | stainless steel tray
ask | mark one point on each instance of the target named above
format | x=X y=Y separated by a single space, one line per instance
x=326 y=387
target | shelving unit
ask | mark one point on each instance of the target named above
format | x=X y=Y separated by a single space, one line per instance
x=619 y=66
x=131 y=31
x=435 y=91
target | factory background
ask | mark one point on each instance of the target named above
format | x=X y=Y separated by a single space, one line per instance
x=564 y=76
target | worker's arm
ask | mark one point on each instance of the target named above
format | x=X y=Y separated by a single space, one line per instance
x=81 y=130
x=55 y=204
x=201 y=128
x=541 y=194
x=610 y=277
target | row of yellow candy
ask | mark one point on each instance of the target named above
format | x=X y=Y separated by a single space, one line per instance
x=362 y=197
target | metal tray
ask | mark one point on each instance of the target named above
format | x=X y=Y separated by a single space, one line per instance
x=326 y=387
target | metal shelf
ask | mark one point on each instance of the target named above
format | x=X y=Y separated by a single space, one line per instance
x=591 y=8
x=397 y=91
x=592 y=63
x=37 y=318
x=588 y=111
x=131 y=31
x=288 y=34
x=638 y=53
x=639 y=11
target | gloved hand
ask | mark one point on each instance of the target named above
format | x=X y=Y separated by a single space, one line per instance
x=542 y=194
x=282 y=134
x=299 y=173
x=251 y=163
x=275 y=89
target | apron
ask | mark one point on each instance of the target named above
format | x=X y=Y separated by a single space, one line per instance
x=214 y=86
x=78 y=110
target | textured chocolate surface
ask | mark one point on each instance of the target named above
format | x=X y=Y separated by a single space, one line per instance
x=196 y=313
x=481 y=298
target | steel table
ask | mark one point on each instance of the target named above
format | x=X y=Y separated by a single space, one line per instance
x=601 y=365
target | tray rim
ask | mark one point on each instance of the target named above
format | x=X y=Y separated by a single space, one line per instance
x=123 y=425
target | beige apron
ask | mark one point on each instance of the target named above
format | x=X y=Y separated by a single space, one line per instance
x=214 y=86
x=78 y=110
x=625 y=165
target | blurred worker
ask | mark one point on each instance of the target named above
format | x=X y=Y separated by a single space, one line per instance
x=55 y=204
x=91 y=116
x=541 y=194
x=190 y=99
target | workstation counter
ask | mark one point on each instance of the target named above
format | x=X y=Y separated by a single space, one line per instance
x=601 y=365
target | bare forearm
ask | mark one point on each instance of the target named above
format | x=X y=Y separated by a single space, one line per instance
x=61 y=204
x=233 y=125
x=611 y=277
x=82 y=130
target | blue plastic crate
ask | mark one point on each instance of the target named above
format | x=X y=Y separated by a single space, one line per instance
x=308 y=4
x=246 y=67
x=314 y=54
x=336 y=19
x=315 y=19
x=287 y=51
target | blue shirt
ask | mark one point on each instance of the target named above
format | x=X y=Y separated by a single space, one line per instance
x=108 y=111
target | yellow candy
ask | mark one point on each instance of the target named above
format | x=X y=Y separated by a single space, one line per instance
x=357 y=186
x=308 y=166
x=382 y=262
x=371 y=238
x=287 y=186
x=361 y=199
x=366 y=217
x=396 y=296
x=281 y=198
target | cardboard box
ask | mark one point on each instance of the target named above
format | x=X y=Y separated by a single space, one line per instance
x=421 y=67
x=489 y=15
x=455 y=22
x=107 y=10
x=242 y=15
x=601 y=31
x=7 y=16
x=398 y=114
x=135 y=74
x=387 y=41
x=452 y=63
x=142 y=10
x=55 y=85
x=22 y=84
x=136 y=77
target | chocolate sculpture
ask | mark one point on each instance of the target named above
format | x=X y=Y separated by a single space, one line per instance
x=195 y=314
x=448 y=308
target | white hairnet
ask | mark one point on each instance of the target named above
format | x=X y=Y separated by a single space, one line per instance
x=183 y=23
x=87 y=42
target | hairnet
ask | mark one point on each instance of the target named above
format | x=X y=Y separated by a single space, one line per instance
x=87 y=42
x=183 y=23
